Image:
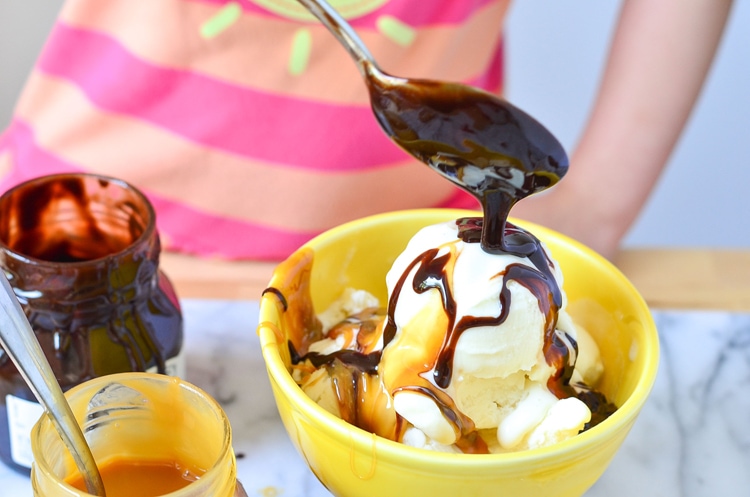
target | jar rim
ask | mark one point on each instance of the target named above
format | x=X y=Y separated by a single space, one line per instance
x=149 y=228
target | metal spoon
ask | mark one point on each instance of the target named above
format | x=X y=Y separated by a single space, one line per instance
x=485 y=145
x=21 y=345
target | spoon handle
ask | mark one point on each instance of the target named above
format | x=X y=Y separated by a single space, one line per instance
x=21 y=344
x=341 y=29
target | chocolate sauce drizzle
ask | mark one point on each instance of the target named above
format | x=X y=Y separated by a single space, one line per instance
x=539 y=280
x=364 y=356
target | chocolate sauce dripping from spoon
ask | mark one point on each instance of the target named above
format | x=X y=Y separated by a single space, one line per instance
x=480 y=142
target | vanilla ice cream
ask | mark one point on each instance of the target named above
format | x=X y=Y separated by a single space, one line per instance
x=468 y=353
x=476 y=352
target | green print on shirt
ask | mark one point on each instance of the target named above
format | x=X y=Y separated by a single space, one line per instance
x=301 y=46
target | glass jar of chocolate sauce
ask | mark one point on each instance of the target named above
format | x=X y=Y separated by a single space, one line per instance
x=82 y=255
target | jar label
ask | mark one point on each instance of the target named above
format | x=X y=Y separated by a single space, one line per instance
x=22 y=416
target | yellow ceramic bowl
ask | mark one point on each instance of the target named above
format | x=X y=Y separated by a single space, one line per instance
x=352 y=462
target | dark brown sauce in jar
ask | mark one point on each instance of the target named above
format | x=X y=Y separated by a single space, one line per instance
x=82 y=254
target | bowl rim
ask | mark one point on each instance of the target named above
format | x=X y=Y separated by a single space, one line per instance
x=622 y=419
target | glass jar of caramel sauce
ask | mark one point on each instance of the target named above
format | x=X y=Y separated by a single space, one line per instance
x=150 y=435
x=81 y=253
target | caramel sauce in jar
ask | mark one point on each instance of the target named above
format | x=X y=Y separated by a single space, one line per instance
x=126 y=477
x=150 y=435
x=82 y=252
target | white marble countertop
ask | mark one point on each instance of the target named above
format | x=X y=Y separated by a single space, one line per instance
x=691 y=440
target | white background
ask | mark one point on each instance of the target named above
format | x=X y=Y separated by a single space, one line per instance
x=555 y=53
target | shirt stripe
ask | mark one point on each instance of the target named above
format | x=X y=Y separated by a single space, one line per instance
x=466 y=50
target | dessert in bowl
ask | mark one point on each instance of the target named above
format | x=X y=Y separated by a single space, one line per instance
x=351 y=461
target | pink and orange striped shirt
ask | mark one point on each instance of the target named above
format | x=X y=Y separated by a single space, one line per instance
x=244 y=122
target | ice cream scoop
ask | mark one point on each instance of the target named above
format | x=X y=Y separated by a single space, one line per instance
x=473 y=337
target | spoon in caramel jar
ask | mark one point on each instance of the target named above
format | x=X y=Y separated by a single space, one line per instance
x=482 y=143
x=19 y=341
